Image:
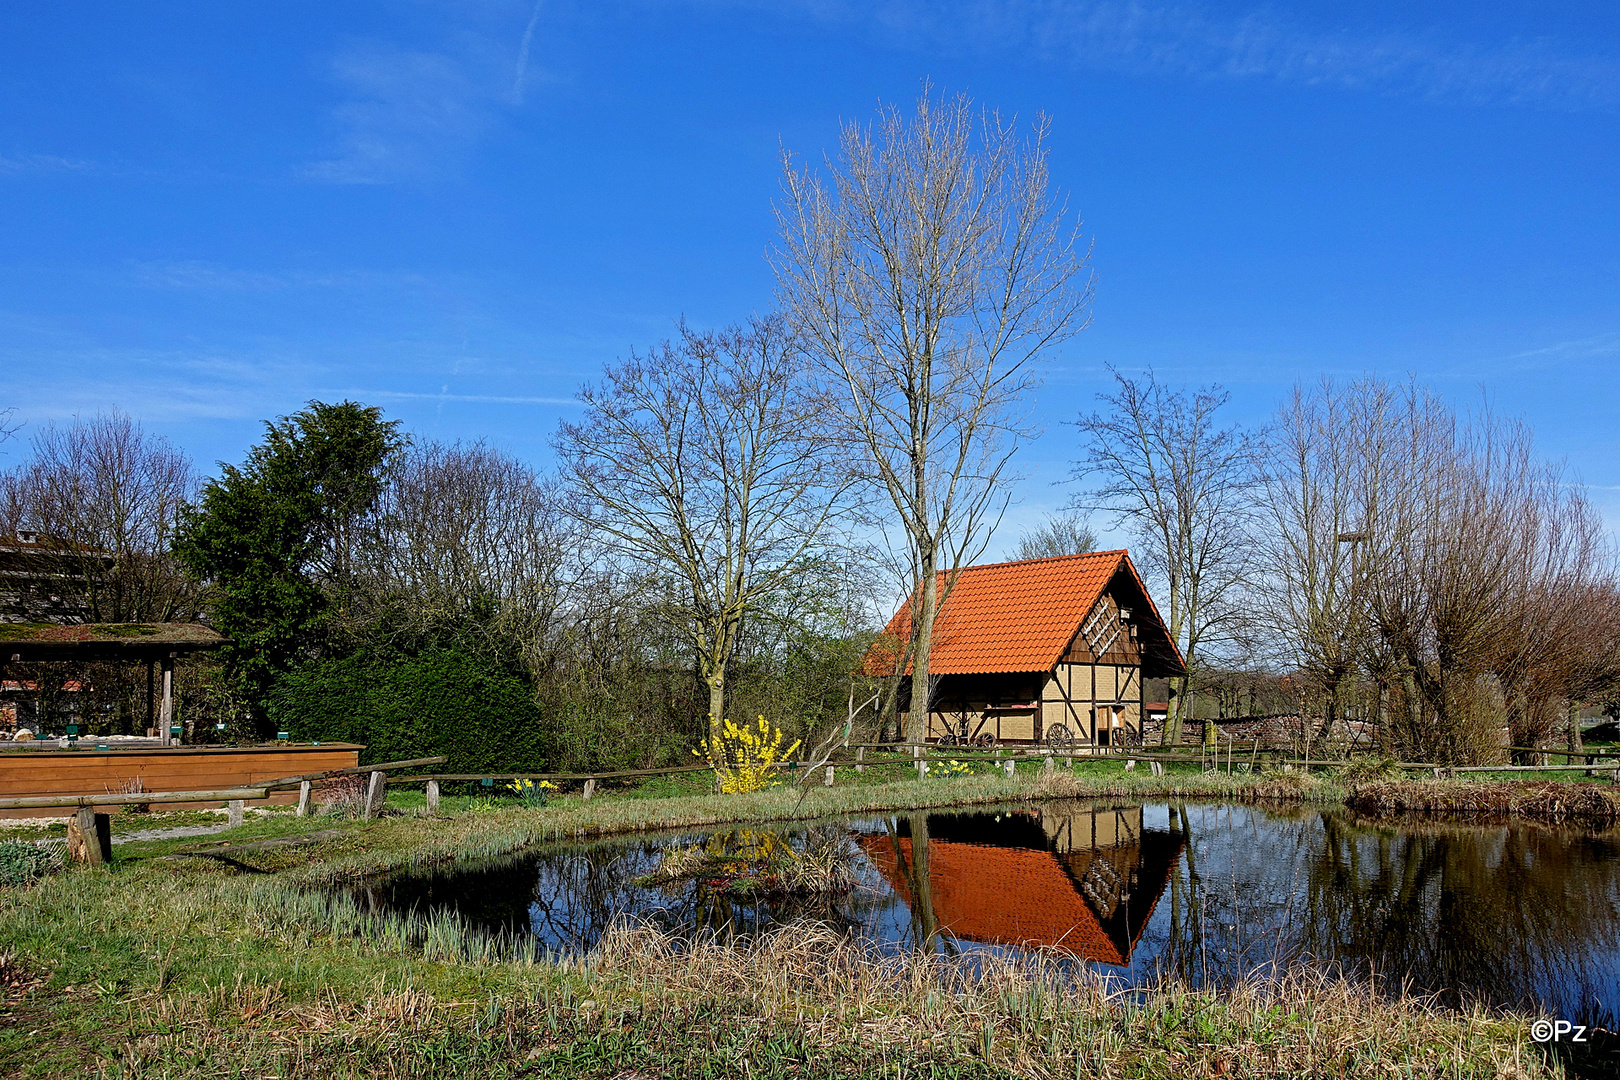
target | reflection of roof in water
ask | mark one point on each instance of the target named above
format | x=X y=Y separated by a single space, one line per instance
x=1092 y=901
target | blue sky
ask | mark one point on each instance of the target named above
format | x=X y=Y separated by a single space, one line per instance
x=210 y=213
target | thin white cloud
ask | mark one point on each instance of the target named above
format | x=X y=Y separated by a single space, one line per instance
x=523 y=54
x=406 y=114
x=38 y=163
x=204 y=276
x=1581 y=348
x=1191 y=40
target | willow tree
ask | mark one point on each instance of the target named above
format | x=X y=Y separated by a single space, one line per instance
x=926 y=275
x=706 y=462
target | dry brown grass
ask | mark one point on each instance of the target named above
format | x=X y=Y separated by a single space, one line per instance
x=1029 y=1018
x=1542 y=800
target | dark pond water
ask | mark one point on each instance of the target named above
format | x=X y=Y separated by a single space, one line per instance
x=1514 y=916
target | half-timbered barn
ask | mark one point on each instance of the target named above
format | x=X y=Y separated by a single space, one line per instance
x=1042 y=650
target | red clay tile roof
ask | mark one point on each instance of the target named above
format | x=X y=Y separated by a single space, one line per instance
x=1012 y=616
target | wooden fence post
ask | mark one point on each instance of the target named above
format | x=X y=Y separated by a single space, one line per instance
x=590 y=788
x=376 y=793
x=233 y=814
x=829 y=776
x=922 y=768
x=1010 y=765
x=1048 y=765
x=860 y=756
x=305 y=790
x=433 y=796
x=89 y=837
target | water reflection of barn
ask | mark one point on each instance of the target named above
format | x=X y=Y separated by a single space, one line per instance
x=1084 y=882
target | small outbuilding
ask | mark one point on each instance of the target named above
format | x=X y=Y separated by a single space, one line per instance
x=1053 y=651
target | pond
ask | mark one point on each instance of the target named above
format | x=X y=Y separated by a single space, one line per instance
x=1512 y=915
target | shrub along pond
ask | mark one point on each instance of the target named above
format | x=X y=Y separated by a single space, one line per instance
x=1511 y=915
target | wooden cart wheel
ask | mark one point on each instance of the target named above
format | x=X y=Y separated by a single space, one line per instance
x=948 y=739
x=986 y=740
x=1059 y=737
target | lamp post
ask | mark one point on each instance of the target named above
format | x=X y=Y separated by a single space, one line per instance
x=1355 y=540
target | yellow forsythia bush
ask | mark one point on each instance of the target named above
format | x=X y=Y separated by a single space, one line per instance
x=742 y=757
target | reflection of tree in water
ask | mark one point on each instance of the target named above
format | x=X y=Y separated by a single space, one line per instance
x=915 y=871
x=1230 y=911
x=569 y=896
x=1512 y=916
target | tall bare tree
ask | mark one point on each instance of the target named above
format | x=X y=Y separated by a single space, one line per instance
x=1561 y=633
x=1161 y=462
x=1320 y=489
x=926 y=277
x=706 y=461
x=107 y=493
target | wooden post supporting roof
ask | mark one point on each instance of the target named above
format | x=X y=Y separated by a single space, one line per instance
x=166 y=710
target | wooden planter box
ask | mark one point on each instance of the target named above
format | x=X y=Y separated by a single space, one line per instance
x=185 y=768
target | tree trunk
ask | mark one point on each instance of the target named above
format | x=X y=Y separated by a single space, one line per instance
x=922 y=885
x=1176 y=714
x=921 y=685
x=716 y=682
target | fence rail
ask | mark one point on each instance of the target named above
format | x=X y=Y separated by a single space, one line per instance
x=246 y=793
x=30 y=802
x=899 y=756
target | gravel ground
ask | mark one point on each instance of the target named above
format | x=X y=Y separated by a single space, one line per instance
x=19 y=828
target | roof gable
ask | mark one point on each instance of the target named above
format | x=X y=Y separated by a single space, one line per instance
x=1014 y=616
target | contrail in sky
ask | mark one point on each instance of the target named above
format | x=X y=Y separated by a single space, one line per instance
x=523 y=54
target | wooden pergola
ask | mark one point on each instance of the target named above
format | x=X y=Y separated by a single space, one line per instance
x=157 y=645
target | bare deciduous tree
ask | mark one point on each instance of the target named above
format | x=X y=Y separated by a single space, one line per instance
x=1186 y=487
x=926 y=279
x=105 y=485
x=1059 y=534
x=1319 y=489
x=1449 y=546
x=469 y=537
x=706 y=461
x=1561 y=632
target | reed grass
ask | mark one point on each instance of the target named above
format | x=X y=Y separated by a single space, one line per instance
x=1550 y=801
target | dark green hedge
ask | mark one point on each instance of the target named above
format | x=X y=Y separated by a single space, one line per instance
x=479 y=713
